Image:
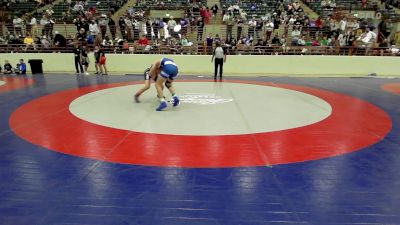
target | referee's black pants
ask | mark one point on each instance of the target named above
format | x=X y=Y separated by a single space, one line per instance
x=78 y=65
x=220 y=63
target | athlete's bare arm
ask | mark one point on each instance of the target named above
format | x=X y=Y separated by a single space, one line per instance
x=155 y=69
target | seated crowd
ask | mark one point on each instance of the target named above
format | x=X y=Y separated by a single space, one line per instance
x=286 y=27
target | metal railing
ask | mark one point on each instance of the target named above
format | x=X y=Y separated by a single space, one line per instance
x=202 y=49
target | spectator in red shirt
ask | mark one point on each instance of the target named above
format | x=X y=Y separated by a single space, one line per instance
x=143 y=41
x=319 y=23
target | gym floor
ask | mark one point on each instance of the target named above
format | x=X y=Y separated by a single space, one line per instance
x=77 y=150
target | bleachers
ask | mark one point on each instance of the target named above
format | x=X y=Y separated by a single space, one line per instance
x=23 y=7
x=260 y=7
x=102 y=8
x=168 y=4
x=340 y=4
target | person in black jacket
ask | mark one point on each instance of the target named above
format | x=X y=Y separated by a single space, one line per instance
x=77 y=53
x=122 y=27
x=85 y=59
x=59 y=41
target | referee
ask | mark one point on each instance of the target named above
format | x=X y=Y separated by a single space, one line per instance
x=220 y=57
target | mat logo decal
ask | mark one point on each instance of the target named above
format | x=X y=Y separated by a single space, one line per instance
x=204 y=99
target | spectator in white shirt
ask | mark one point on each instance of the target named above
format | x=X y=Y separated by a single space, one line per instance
x=295 y=35
x=171 y=24
x=367 y=37
x=45 y=42
x=343 y=25
x=49 y=11
x=292 y=20
x=301 y=41
x=18 y=23
x=226 y=17
x=269 y=28
x=94 y=28
x=252 y=26
x=34 y=26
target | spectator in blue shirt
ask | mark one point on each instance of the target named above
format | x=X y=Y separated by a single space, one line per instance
x=21 y=67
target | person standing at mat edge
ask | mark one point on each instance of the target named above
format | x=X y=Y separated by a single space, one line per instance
x=220 y=57
x=77 y=54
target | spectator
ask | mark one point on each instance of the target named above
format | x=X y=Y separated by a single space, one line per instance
x=207 y=16
x=143 y=41
x=81 y=36
x=200 y=27
x=171 y=24
x=29 y=42
x=184 y=24
x=70 y=41
x=18 y=23
x=136 y=29
x=325 y=41
x=155 y=27
x=209 y=43
x=259 y=28
x=45 y=24
x=59 y=40
x=28 y=27
x=343 y=25
x=78 y=7
x=269 y=27
x=49 y=11
x=252 y=26
x=295 y=36
x=367 y=38
x=301 y=41
x=275 y=40
x=217 y=38
x=319 y=23
x=45 y=43
x=364 y=3
x=240 y=24
x=214 y=10
x=7 y=67
x=107 y=42
x=130 y=33
x=34 y=27
x=122 y=27
x=93 y=31
x=185 y=41
x=21 y=67
x=103 y=25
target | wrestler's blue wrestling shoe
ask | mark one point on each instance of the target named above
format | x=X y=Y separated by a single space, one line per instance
x=162 y=106
x=176 y=101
